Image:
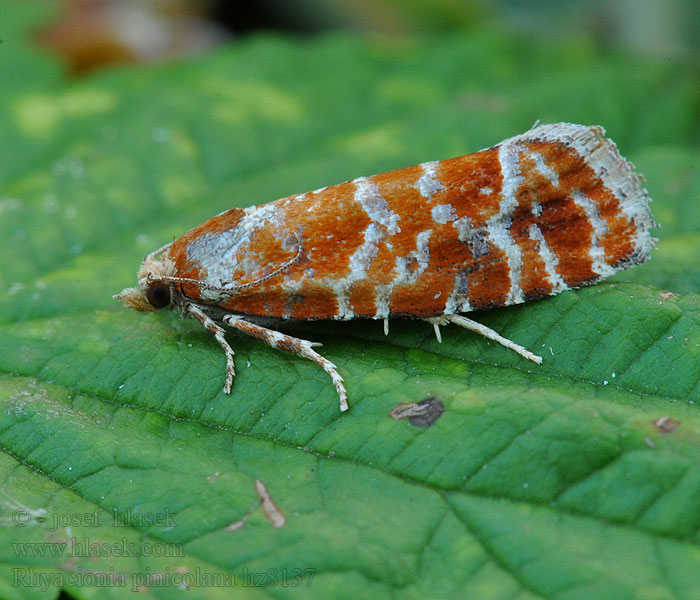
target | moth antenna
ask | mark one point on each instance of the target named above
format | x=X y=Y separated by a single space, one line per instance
x=282 y=269
x=157 y=252
x=203 y=285
x=172 y=279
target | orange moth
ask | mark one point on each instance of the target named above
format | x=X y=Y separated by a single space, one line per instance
x=552 y=209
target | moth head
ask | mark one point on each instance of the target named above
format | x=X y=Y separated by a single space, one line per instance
x=154 y=291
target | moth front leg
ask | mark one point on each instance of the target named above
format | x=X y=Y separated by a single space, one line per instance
x=218 y=333
x=294 y=345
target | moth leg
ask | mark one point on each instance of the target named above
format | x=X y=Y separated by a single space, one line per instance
x=218 y=333
x=486 y=332
x=294 y=345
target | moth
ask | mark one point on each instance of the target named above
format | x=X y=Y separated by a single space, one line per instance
x=549 y=210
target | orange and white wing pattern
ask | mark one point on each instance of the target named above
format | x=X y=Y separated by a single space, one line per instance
x=552 y=209
x=540 y=213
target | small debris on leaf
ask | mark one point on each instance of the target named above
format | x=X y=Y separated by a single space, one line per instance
x=419 y=414
x=273 y=514
x=666 y=424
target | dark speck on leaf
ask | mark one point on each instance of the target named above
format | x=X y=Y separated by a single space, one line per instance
x=419 y=414
x=666 y=424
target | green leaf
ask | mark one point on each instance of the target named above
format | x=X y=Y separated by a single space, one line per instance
x=558 y=480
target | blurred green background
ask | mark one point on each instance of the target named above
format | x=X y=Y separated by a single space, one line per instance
x=658 y=27
x=92 y=33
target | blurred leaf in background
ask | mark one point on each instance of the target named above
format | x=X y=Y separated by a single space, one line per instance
x=579 y=478
x=94 y=34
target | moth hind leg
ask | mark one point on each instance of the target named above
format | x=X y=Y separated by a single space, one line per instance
x=485 y=331
x=293 y=345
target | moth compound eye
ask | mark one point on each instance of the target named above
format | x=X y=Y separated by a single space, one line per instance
x=158 y=295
